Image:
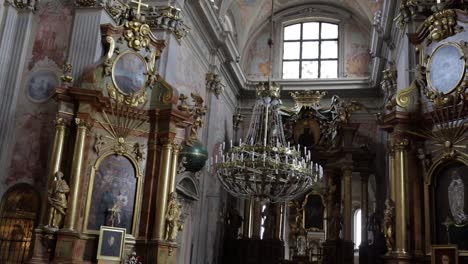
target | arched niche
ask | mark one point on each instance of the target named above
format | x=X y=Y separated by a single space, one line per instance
x=446 y=199
x=313 y=214
x=115 y=186
x=19 y=212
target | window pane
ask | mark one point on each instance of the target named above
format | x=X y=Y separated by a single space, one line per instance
x=329 y=50
x=357 y=228
x=310 y=50
x=310 y=30
x=329 y=31
x=291 y=70
x=291 y=50
x=329 y=69
x=309 y=69
x=292 y=32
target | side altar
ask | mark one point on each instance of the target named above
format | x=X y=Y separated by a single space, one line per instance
x=119 y=129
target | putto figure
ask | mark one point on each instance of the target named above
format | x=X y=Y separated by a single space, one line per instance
x=57 y=200
x=173 y=221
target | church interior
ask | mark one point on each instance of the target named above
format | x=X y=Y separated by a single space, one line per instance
x=233 y=131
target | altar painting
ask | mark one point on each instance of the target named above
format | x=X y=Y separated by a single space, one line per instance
x=451 y=205
x=113 y=194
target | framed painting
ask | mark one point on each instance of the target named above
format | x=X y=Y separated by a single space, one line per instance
x=444 y=254
x=111 y=243
x=130 y=73
x=314 y=212
x=40 y=85
x=113 y=194
x=451 y=205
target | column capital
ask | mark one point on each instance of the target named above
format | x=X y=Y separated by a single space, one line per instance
x=82 y=123
x=399 y=143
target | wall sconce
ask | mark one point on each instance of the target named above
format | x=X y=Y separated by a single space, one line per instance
x=213 y=83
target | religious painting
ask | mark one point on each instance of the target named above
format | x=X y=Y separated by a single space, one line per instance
x=113 y=194
x=307 y=132
x=130 y=73
x=444 y=254
x=451 y=208
x=41 y=85
x=313 y=213
x=111 y=243
x=53 y=32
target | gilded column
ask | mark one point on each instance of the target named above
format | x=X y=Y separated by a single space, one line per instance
x=163 y=185
x=75 y=177
x=347 y=215
x=400 y=173
x=56 y=158
x=364 y=206
x=174 y=166
x=247 y=227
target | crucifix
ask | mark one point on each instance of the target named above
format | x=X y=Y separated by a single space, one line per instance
x=139 y=4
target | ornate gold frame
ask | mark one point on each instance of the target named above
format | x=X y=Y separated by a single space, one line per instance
x=143 y=88
x=304 y=203
x=444 y=247
x=428 y=70
x=138 y=197
x=113 y=229
x=429 y=197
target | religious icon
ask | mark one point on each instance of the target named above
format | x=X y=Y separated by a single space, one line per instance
x=130 y=73
x=41 y=85
x=307 y=133
x=111 y=243
x=456 y=197
x=57 y=201
x=451 y=202
x=113 y=194
x=446 y=254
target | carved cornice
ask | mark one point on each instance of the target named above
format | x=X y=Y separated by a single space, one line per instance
x=23 y=4
x=167 y=18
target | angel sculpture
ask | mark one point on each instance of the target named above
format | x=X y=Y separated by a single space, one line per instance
x=456 y=198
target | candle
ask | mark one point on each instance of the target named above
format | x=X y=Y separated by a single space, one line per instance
x=242 y=157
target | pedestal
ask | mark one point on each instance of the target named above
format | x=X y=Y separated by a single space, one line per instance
x=70 y=248
x=44 y=245
x=338 y=252
x=161 y=252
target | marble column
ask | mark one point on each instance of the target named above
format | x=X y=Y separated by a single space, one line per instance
x=400 y=146
x=163 y=185
x=15 y=36
x=364 y=206
x=75 y=177
x=347 y=199
x=86 y=44
x=247 y=226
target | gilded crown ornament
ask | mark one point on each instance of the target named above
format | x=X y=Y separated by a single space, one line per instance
x=441 y=25
x=308 y=98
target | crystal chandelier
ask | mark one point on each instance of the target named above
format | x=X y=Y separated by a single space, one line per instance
x=265 y=166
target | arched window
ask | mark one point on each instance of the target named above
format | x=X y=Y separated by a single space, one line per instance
x=310 y=50
x=357 y=228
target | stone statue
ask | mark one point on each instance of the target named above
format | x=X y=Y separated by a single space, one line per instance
x=57 y=197
x=456 y=198
x=233 y=223
x=173 y=221
x=388 y=224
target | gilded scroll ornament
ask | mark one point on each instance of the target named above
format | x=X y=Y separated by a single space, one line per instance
x=173 y=220
x=442 y=25
x=403 y=98
x=137 y=35
x=167 y=18
x=57 y=197
x=389 y=224
x=213 y=83
x=130 y=99
x=85 y=3
x=408 y=9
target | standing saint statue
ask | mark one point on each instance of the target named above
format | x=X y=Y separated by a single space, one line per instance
x=173 y=221
x=456 y=198
x=57 y=197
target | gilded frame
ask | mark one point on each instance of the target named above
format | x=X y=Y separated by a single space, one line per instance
x=452 y=247
x=122 y=242
x=429 y=214
x=138 y=198
x=304 y=203
x=429 y=64
x=147 y=73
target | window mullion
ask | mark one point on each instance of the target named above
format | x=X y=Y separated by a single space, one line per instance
x=319 y=66
x=300 y=51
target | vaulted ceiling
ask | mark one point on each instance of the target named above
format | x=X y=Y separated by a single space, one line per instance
x=247 y=15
